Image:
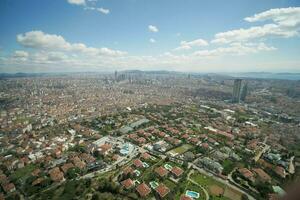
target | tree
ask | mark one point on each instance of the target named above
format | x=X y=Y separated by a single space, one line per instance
x=264 y=189
x=72 y=173
x=244 y=197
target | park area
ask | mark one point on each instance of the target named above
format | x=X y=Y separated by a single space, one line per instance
x=180 y=150
x=217 y=190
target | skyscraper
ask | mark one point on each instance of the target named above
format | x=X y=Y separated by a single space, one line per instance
x=244 y=92
x=116 y=75
x=236 y=96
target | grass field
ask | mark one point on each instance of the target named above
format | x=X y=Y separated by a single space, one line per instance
x=182 y=149
x=208 y=182
x=23 y=172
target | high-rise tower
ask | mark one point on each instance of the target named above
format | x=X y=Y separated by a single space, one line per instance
x=236 y=96
x=116 y=75
x=244 y=92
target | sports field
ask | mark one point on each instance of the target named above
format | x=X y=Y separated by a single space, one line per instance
x=182 y=149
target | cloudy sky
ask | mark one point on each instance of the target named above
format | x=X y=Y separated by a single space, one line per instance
x=180 y=35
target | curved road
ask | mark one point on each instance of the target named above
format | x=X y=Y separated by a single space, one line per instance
x=192 y=181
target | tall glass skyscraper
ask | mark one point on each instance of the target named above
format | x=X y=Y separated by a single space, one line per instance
x=237 y=90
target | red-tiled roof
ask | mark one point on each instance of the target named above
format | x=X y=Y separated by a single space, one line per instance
x=128 y=183
x=146 y=155
x=177 y=171
x=143 y=189
x=141 y=140
x=78 y=163
x=56 y=174
x=127 y=170
x=246 y=173
x=37 y=181
x=205 y=145
x=262 y=174
x=162 y=190
x=184 y=197
x=161 y=171
x=105 y=147
x=9 y=187
x=36 y=172
x=280 y=171
x=138 y=163
x=66 y=167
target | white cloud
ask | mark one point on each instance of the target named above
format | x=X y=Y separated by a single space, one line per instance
x=89 y=5
x=20 y=54
x=285 y=23
x=152 y=40
x=235 y=49
x=153 y=28
x=53 y=50
x=77 y=2
x=41 y=40
x=184 y=45
x=289 y=17
x=103 y=10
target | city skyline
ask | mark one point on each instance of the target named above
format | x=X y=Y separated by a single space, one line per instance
x=91 y=35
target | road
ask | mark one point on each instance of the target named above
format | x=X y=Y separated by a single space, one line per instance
x=233 y=181
x=192 y=181
x=266 y=148
x=291 y=165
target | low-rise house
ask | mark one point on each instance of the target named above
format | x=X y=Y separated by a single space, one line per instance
x=87 y=158
x=280 y=171
x=162 y=190
x=161 y=171
x=56 y=175
x=262 y=175
x=8 y=187
x=146 y=156
x=177 y=171
x=143 y=189
x=128 y=170
x=36 y=172
x=3 y=179
x=78 y=163
x=66 y=167
x=141 y=140
x=138 y=163
x=247 y=174
x=105 y=148
x=185 y=197
x=128 y=183
x=37 y=181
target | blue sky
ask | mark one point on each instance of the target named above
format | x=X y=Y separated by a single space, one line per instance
x=181 y=35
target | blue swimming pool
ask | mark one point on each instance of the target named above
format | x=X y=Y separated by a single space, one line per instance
x=192 y=194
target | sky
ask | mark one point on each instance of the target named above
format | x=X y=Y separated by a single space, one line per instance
x=175 y=35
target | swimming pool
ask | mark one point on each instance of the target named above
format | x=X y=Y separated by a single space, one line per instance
x=192 y=194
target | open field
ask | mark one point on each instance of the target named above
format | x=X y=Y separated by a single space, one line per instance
x=182 y=149
x=214 y=187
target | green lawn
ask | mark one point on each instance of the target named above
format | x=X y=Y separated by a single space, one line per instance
x=207 y=181
x=182 y=149
x=23 y=172
x=204 y=180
